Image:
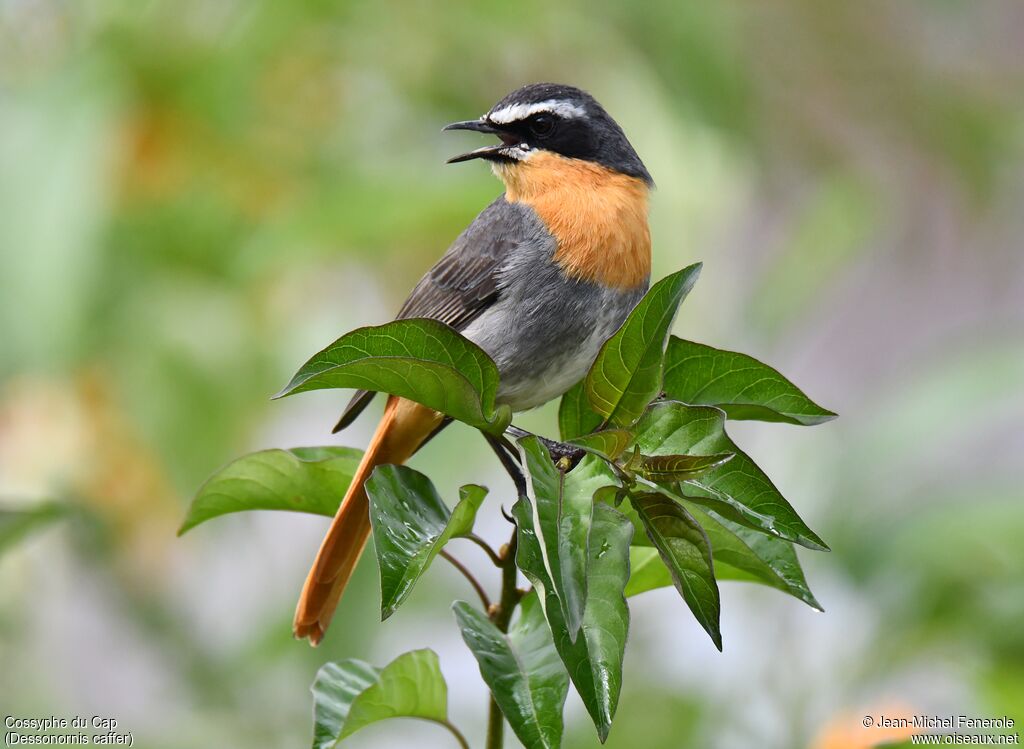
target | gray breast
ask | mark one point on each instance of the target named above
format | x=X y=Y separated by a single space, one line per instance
x=545 y=329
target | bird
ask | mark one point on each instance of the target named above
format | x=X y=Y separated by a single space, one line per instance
x=539 y=280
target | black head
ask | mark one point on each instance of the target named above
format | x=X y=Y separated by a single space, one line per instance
x=556 y=118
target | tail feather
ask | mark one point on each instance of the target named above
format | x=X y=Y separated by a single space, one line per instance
x=404 y=427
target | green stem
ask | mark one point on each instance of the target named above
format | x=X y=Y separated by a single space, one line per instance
x=469 y=576
x=509 y=594
x=495 y=727
x=501 y=615
x=456 y=733
x=491 y=553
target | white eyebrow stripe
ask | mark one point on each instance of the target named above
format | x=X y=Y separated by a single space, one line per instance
x=519 y=112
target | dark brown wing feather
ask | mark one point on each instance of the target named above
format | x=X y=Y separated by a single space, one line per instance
x=456 y=290
x=462 y=284
x=360 y=400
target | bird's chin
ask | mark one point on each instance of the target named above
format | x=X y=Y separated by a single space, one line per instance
x=512 y=171
x=500 y=169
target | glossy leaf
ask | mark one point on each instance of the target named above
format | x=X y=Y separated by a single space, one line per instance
x=738 y=490
x=562 y=506
x=594 y=660
x=646 y=571
x=607 y=443
x=766 y=559
x=411 y=524
x=686 y=552
x=627 y=373
x=740 y=385
x=739 y=553
x=423 y=360
x=575 y=416
x=675 y=467
x=522 y=670
x=17 y=523
x=351 y=694
x=302 y=479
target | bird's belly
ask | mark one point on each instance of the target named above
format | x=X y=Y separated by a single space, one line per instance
x=544 y=339
x=552 y=376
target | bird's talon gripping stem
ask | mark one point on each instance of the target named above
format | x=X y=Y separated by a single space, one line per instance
x=564 y=455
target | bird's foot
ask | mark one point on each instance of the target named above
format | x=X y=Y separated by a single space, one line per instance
x=564 y=455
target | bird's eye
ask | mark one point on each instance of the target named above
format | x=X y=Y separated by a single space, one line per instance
x=542 y=125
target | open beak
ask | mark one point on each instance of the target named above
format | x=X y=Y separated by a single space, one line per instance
x=498 y=152
x=480 y=126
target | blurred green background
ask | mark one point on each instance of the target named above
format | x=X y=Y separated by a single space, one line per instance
x=196 y=195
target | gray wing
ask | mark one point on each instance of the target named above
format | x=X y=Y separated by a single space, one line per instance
x=463 y=283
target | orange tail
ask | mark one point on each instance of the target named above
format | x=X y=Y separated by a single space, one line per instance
x=402 y=430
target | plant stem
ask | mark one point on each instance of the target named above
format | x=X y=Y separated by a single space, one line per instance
x=491 y=553
x=456 y=733
x=557 y=450
x=495 y=727
x=509 y=594
x=501 y=615
x=469 y=576
x=509 y=460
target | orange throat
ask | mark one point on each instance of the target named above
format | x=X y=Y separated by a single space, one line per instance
x=598 y=216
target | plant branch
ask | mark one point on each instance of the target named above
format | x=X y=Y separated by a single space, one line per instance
x=501 y=615
x=491 y=553
x=509 y=460
x=469 y=576
x=495 y=726
x=456 y=733
x=557 y=450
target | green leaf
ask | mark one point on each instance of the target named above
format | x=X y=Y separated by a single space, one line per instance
x=766 y=559
x=16 y=524
x=471 y=496
x=740 y=385
x=627 y=373
x=575 y=417
x=522 y=670
x=594 y=660
x=302 y=479
x=562 y=504
x=686 y=551
x=422 y=360
x=350 y=694
x=739 y=554
x=675 y=467
x=646 y=571
x=608 y=443
x=411 y=524
x=738 y=490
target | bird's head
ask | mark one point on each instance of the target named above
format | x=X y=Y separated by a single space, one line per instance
x=548 y=118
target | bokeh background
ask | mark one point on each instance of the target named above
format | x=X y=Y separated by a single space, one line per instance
x=195 y=195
